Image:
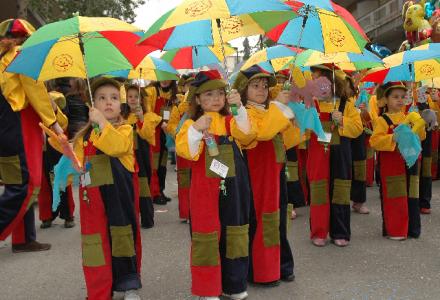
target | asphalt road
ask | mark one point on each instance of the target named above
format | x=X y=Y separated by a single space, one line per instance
x=372 y=267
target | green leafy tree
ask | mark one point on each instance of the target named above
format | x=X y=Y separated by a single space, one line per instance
x=54 y=10
x=246 y=49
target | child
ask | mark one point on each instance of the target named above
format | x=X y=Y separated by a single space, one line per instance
x=144 y=124
x=111 y=244
x=219 y=206
x=271 y=256
x=329 y=164
x=50 y=159
x=24 y=103
x=399 y=185
x=161 y=98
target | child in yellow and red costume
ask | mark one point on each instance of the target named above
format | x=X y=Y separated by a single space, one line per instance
x=329 y=164
x=144 y=124
x=271 y=255
x=219 y=192
x=433 y=100
x=161 y=99
x=50 y=158
x=399 y=184
x=24 y=103
x=178 y=115
x=111 y=244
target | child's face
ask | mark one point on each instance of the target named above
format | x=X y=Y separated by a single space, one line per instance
x=186 y=87
x=212 y=101
x=133 y=98
x=107 y=101
x=258 y=90
x=165 y=83
x=281 y=80
x=435 y=95
x=396 y=100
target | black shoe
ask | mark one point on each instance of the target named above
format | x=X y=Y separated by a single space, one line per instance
x=268 y=284
x=288 y=278
x=159 y=200
x=33 y=246
x=69 y=223
x=46 y=224
x=168 y=199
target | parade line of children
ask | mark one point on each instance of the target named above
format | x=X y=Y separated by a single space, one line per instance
x=242 y=165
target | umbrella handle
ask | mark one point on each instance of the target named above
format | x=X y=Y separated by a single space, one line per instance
x=234 y=109
x=81 y=47
x=301 y=33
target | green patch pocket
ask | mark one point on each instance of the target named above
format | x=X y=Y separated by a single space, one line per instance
x=101 y=170
x=292 y=169
x=360 y=170
x=237 y=241
x=396 y=186
x=92 y=251
x=271 y=229
x=280 y=150
x=10 y=170
x=370 y=152
x=184 y=177
x=122 y=241
x=341 y=192
x=204 y=251
x=426 y=166
x=327 y=126
x=318 y=192
x=414 y=186
x=144 y=188
x=226 y=157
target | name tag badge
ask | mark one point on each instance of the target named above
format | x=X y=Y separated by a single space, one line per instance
x=85 y=179
x=219 y=168
x=166 y=115
x=328 y=138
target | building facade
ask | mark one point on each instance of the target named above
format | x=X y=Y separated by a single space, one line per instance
x=381 y=19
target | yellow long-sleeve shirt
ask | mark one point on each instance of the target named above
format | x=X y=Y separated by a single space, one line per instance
x=381 y=140
x=267 y=123
x=20 y=91
x=147 y=131
x=217 y=128
x=152 y=97
x=115 y=142
x=292 y=136
x=352 y=124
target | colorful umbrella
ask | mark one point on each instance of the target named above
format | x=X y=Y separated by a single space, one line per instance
x=207 y=32
x=432 y=83
x=344 y=60
x=67 y=49
x=150 y=68
x=197 y=56
x=274 y=58
x=418 y=64
x=328 y=27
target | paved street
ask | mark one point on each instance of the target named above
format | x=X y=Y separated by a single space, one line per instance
x=372 y=267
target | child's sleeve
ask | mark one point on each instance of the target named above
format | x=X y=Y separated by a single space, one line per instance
x=276 y=120
x=189 y=143
x=381 y=140
x=241 y=129
x=352 y=123
x=147 y=129
x=173 y=122
x=114 y=141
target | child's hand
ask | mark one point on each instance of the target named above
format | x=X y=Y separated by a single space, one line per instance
x=139 y=113
x=202 y=123
x=283 y=97
x=234 y=98
x=164 y=125
x=337 y=117
x=97 y=117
